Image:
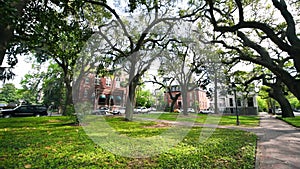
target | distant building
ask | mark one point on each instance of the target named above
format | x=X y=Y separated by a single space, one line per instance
x=104 y=91
x=196 y=98
x=110 y=92
x=227 y=104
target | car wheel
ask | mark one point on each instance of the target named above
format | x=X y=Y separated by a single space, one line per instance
x=7 y=116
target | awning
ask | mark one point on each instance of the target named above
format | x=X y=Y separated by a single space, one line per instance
x=102 y=96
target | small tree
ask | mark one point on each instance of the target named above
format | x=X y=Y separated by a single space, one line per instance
x=9 y=93
x=144 y=98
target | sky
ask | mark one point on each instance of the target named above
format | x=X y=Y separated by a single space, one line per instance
x=23 y=67
x=20 y=70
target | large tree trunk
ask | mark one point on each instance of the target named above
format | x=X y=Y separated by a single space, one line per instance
x=69 y=99
x=130 y=102
x=292 y=84
x=216 y=110
x=286 y=108
x=277 y=92
x=174 y=99
x=68 y=106
x=184 y=99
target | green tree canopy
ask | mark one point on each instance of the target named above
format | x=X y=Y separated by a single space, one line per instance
x=8 y=93
x=144 y=98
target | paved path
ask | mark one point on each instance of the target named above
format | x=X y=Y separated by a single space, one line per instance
x=278 y=146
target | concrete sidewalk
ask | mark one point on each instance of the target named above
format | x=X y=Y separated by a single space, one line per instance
x=278 y=146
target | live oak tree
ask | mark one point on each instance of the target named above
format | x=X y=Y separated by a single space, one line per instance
x=216 y=70
x=61 y=40
x=53 y=87
x=184 y=61
x=243 y=28
x=31 y=85
x=19 y=18
x=165 y=82
x=248 y=80
x=47 y=29
x=136 y=43
x=65 y=54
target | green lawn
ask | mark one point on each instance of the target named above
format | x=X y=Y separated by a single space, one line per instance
x=53 y=142
x=293 y=121
x=248 y=121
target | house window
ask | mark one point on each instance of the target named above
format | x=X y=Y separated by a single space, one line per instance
x=118 y=84
x=87 y=80
x=250 y=102
x=230 y=102
x=173 y=88
x=239 y=102
x=108 y=82
x=85 y=94
x=222 y=102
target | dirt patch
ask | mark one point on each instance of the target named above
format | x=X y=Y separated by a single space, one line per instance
x=54 y=121
x=159 y=125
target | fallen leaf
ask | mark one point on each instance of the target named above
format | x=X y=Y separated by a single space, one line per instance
x=27 y=166
x=48 y=148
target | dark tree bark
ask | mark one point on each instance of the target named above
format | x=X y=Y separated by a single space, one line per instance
x=69 y=96
x=277 y=92
x=130 y=101
x=7 y=28
x=174 y=99
x=285 y=105
x=184 y=94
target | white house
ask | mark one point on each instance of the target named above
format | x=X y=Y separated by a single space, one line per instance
x=227 y=103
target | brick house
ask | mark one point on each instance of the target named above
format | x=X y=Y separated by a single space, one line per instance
x=103 y=91
x=196 y=98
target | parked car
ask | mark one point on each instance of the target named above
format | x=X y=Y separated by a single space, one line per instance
x=206 y=111
x=144 y=110
x=3 y=105
x=278 y=111
x=152 y=109
x=101 y=111
x=25 y=110
x=141 y=110
x=137 y=110
x=118 y=111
